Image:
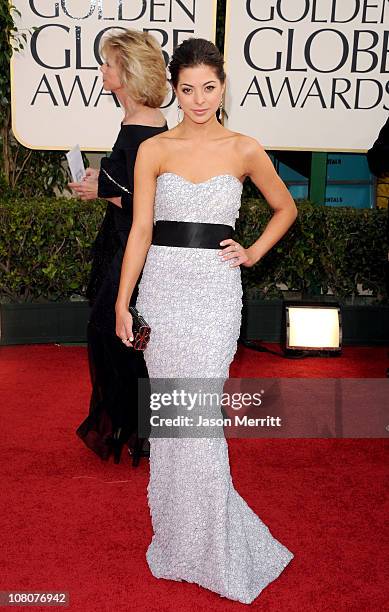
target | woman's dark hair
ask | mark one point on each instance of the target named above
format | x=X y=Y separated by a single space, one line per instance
x=194 y=52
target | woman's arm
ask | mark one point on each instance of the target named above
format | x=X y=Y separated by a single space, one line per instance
x=263 y=174
x=259 y=168
x=139 y=240
x=117 y=201
x=87 y=189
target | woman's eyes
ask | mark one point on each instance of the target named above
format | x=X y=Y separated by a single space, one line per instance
x=187 y=90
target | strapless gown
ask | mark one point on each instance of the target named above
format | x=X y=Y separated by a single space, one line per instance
x=204 y=532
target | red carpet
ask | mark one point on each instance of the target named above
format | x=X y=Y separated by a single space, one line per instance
x=73 y=523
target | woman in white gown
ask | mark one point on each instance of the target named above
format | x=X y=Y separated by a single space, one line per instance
x=188 y=185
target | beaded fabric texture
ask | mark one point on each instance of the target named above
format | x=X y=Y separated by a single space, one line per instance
x=204 y=532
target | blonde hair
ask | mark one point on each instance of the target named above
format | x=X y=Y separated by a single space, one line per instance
x=141 y=64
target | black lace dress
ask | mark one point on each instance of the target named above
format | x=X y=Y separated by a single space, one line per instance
x=114 y=368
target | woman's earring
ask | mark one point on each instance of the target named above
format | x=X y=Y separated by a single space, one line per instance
x=220 y=111
x=179 y=118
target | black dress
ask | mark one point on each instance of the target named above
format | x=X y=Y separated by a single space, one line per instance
x=378 y=155
x=378 y=160
x=114 y=368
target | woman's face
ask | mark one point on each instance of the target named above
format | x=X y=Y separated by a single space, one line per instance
x=111 y=73
x=199 y=92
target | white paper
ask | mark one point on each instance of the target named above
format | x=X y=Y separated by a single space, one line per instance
x=76 y=164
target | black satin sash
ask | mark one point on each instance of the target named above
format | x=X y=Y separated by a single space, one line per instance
x=190 y=235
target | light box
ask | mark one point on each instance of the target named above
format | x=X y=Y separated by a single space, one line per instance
x=313 y=326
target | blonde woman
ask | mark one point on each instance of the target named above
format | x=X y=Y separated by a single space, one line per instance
x=134 y=70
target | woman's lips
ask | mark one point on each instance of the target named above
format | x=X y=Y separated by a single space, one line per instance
x=200 y=111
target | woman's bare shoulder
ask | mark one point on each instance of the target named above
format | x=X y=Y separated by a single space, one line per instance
x=247 y=144
x=243 y=145
x=159 y=141
x=151 y=145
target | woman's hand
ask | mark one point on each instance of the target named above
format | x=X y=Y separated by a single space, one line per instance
x=124 y=326
x=88 y=187
x=235 y=253
x=92 y=173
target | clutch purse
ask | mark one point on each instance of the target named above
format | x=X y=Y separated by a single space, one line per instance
x=140 y=330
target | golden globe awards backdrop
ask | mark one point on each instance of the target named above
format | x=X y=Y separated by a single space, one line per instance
x=57 y=95
x=308 y=74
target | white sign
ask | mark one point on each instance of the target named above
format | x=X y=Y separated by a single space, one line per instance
x=57 y=94
x=308 y=74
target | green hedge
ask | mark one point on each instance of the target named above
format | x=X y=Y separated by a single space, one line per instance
x=45 y=249
x=326 y=248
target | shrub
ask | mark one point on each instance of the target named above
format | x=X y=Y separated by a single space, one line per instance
x=326 y=248
x=45 y=249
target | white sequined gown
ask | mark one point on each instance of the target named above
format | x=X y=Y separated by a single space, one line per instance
x=204 y=532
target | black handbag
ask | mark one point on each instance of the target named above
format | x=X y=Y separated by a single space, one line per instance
x=140 y=329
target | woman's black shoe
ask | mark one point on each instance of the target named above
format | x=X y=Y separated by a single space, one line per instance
x=117 y=443
x=138 y=451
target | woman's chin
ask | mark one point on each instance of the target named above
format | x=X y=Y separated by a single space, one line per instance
x=200 y=119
